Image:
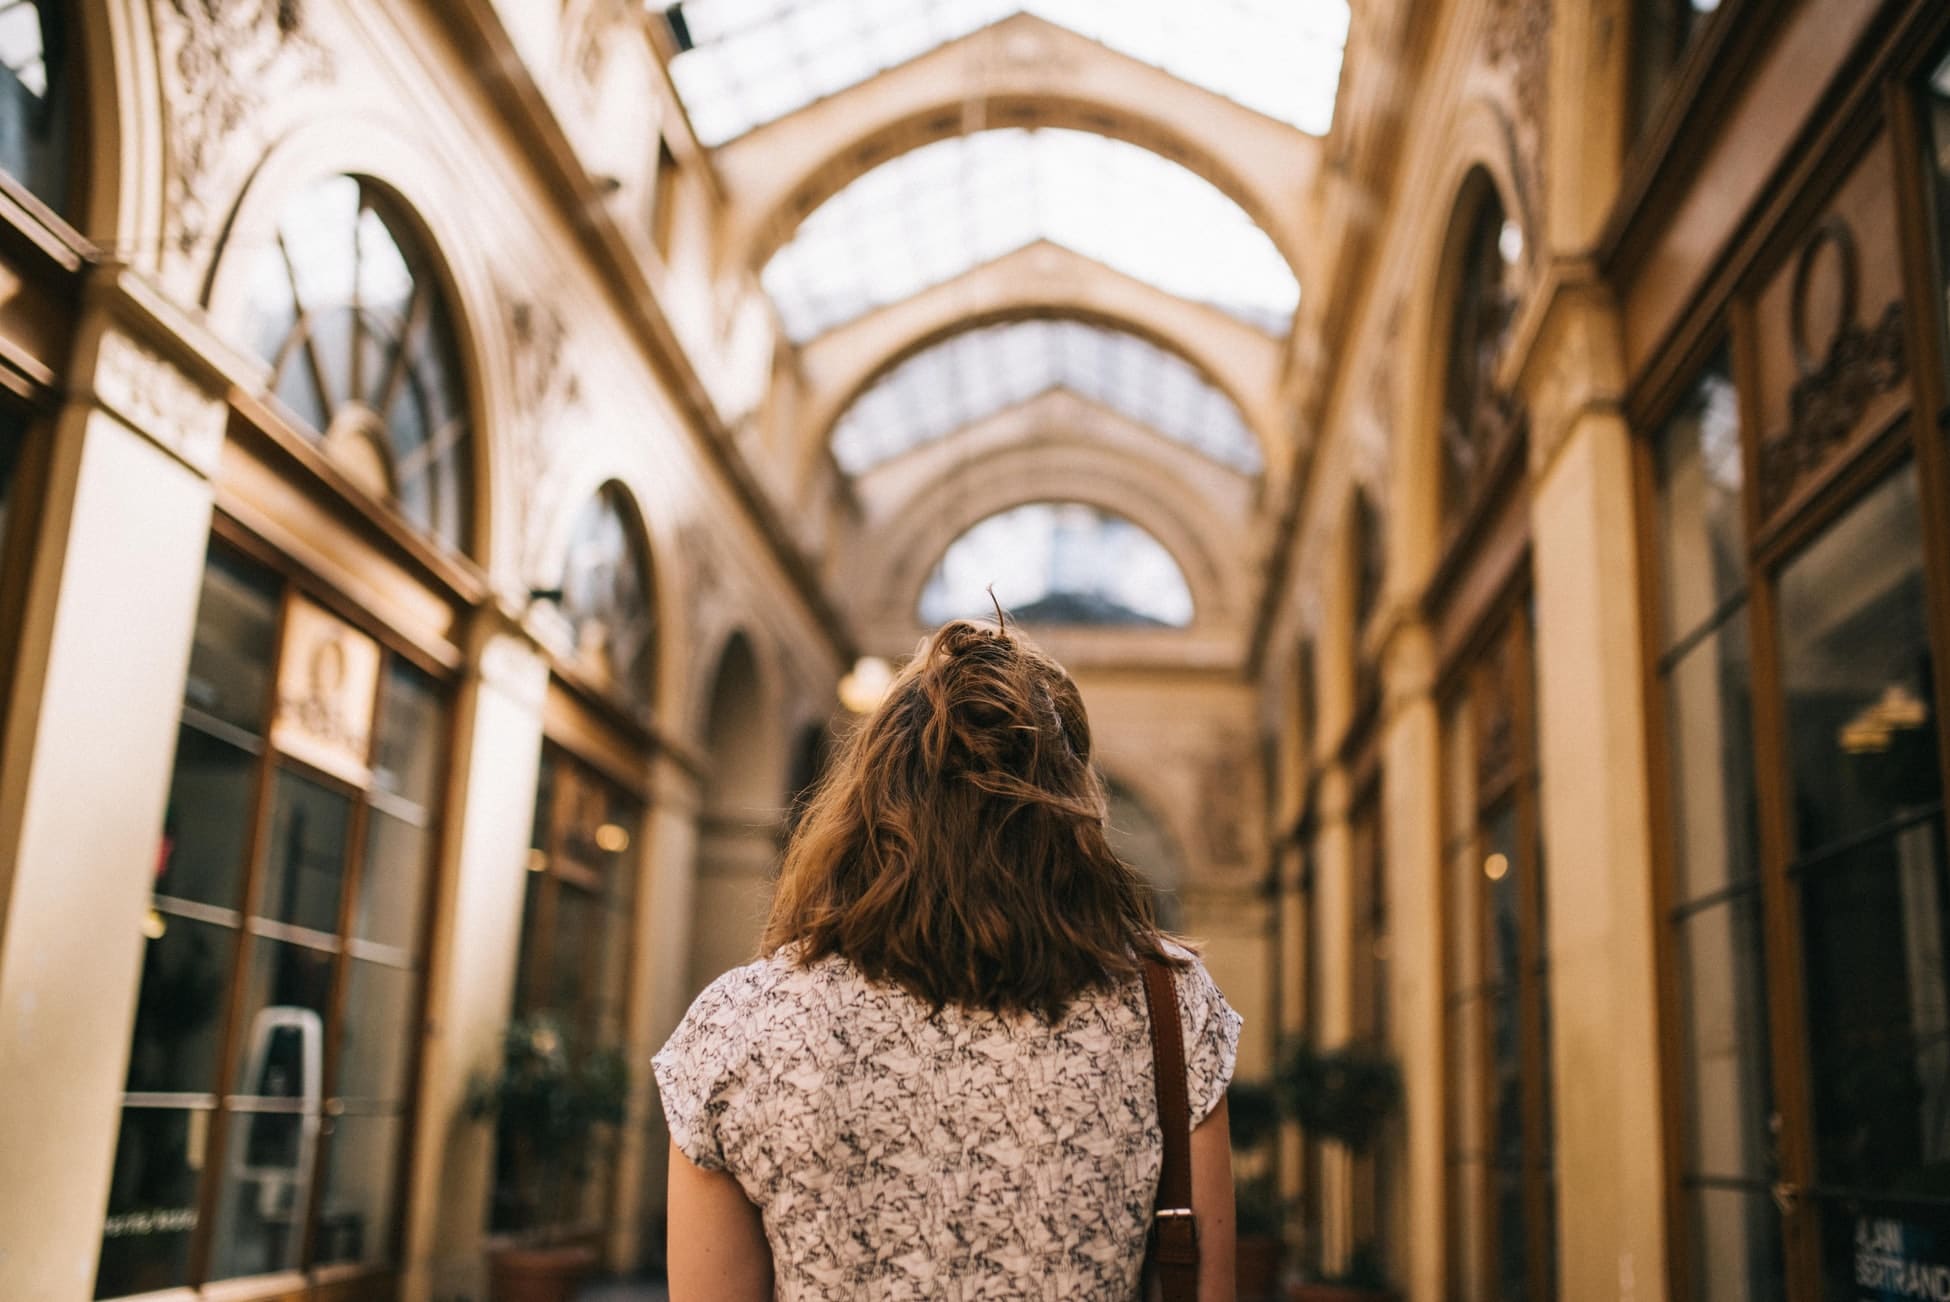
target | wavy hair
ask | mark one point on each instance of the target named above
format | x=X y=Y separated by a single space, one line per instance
x=956 y=845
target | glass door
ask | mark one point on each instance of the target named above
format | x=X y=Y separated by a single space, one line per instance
x=265 y=1118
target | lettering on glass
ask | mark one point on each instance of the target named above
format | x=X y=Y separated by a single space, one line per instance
x=1900 y=1261
x=328 y=681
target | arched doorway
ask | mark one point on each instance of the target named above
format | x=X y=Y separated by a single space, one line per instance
x=738 y=829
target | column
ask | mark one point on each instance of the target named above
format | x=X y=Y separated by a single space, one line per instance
x=85 y=766
x=476 y=947
x=1411 y=829
x=1334 y=933
x=1601 y=926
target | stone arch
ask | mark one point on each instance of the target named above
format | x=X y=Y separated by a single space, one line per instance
x=1043 y=281
x=432 y=206
x=1481 y=163
x=120 y=105
x=904 y=554
x=740 y=816
x=1020 y=72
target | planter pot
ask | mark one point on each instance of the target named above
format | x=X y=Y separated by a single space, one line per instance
x=539 y=1274
x=1258 y=1267
x=1335 y=1293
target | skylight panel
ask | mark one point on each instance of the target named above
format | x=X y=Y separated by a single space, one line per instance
x=928 y=215
x=1059 y=563
x=1277 y=57
x=972 y=376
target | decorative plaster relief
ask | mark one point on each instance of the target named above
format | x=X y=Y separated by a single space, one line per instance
x=226 y=60
x=153 y=396
x=546 y=388
x=1518 y=45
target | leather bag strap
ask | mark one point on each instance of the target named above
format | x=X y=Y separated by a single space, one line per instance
x=1174 y=1233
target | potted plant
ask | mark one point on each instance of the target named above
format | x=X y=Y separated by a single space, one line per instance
x=1342 y=1096
x=552 y=1102
x=1253 y=1119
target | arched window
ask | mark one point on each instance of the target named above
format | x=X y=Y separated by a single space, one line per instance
x=345 y=305
x=606 y=597
x=38 y=67
x=1059 y=563
x=1478 y=419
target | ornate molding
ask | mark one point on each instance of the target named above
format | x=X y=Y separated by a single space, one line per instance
x=152 y=395
x=1518 y=46
x=546 y=387
x=227 y=58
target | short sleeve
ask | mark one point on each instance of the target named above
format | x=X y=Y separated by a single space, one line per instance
x=1211 y=1029
x=698 y=1070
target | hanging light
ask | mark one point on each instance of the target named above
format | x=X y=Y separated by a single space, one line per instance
x=1496 y=867
x=613 y=838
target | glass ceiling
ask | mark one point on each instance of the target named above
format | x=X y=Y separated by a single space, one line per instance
x=755 y=61
x=926 y=216
x=1059 y=563
x=971 y=376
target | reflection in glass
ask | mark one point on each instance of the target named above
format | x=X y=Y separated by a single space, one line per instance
x=392 y=886
x=1476 y=425
x=261 y=1204
x=354 y=323
x=206 y=824
x=151 y=1201
x=236 y=633
x=1738 y=1234
x=1702 y=553
x=606 y=597
x=38 y=71
x=179 y=1010
x=377 y=1039
x=1936 y=112
x=281 y=1054
x=304 y=871
x=355 y=1215
x=980 y=373
x=927 y=216
x=1709 y=727
x=1059 y=563
x=411 y=737
x=1729 y=1096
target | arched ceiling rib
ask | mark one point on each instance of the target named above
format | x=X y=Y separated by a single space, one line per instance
x=973 y=375
x=754 y=61
x=1050 y=282
x=932 y=214
x=1021 y=72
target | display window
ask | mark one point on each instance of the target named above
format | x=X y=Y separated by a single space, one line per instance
x=267 y=1108
x=1798 y=597
x=39 y=68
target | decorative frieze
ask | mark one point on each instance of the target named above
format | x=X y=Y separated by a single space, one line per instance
x=153 y=396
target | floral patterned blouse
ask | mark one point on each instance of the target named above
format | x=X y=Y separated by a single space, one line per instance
x=960 y=1156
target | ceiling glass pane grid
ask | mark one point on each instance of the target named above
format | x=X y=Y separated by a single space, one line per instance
x=972 y=376
x=929 y=215
x=1059 y=563
x=755 y=61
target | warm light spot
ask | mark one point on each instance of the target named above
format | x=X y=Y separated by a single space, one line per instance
x=155 y=925
x=613 y=838
x=862 y=690
x=537 y=860
x=1496 y=867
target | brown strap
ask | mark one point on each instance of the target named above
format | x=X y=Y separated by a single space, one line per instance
x=1174 y=1234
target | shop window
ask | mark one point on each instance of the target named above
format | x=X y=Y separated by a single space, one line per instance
x=575 y=950
x=38 y=68
x=1936 y=166
x=1479 y=422
x=606 y=598
x=1501 y=1166
x=348 y=309
x=269 y=1076
x=1664 y=32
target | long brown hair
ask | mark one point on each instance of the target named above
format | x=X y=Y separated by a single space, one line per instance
x=956 y=845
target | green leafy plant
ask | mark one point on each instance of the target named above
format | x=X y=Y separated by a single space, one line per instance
x=1344 y=1095
x=1257 y=1208
x=1252 y=1114
x=552 y=1101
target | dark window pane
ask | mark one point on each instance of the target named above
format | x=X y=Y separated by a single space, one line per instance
x=377 y=1038
x=1709 y=729
x=1855 y=666
x=355 y=1216
x=412 y=737
x=13 y=438
x=236 y=631
x=1736 y=1246
x=1502 y=939
x=206 y=827
x=266 y=1182
x=1936 y=111
x=1724 y=1006
x=179 y=1012
x=1702 y=555
x=1663 y=32
x=38 y=70
x=606 y=599
x=1476 y=421
x=1879 y=1014
x=576 y=918
x=304 y=869
x=152 y=1201
x=392 y=891
x=1512 y=1239
x=281 y=1054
